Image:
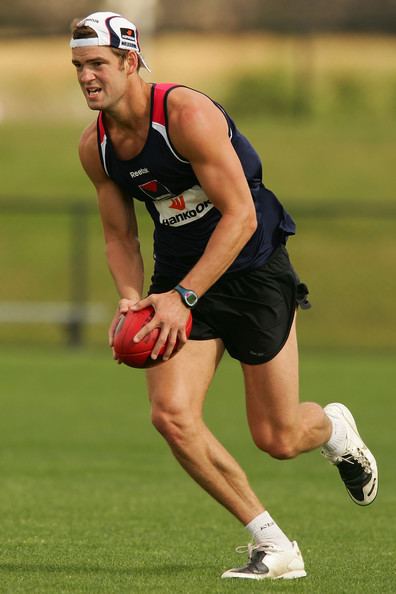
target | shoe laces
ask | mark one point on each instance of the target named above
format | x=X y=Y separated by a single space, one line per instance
x=356 y=455
x=252 y=548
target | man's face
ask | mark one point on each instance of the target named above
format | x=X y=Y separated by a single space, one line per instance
x=101 y=77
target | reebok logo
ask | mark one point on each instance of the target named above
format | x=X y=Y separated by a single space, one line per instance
x=141 y=171
x=178 y=203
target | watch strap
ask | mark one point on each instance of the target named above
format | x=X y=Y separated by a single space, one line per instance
x=189 y=297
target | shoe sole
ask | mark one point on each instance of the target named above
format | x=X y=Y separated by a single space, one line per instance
x=346 y=413
x=290 y=575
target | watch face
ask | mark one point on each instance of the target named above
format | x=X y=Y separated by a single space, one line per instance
x=190 y=298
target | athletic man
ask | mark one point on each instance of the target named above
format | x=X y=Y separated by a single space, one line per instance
x=219 y=244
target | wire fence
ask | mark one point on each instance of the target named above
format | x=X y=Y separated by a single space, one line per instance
x=52 y=258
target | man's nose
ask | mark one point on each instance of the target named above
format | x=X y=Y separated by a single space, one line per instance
x=86 y=75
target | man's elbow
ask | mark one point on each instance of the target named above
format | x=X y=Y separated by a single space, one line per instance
x=128 y=243
x=250 y=224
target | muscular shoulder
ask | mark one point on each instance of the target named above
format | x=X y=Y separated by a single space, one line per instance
x=89 y=154
x=88 y=142
x=186 y=105
x=193 y=119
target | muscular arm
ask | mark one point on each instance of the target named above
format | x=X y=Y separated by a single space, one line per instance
x=119 y=223
x=199 y=132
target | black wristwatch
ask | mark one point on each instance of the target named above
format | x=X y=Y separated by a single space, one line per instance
x=189 y=298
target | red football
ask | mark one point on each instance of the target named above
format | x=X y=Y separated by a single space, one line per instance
x=137 y=354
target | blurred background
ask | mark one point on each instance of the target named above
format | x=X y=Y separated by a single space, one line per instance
x=313 y=85
x=85 y=480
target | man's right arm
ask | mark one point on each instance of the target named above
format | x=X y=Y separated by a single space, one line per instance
x=119 y=224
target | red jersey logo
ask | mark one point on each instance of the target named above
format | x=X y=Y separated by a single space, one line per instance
x=178 y=203
x=155 y=190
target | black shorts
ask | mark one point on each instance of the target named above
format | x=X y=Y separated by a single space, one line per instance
x=251 y=311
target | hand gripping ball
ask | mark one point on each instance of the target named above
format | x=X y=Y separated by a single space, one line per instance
x=137 y=354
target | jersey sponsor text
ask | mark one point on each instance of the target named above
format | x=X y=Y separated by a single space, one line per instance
x=193 y=204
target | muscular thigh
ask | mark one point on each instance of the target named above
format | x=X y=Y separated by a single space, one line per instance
x=181 y=383
x=272 y=396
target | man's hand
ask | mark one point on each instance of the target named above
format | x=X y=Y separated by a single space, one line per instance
x=124 y=306
x=170 y=317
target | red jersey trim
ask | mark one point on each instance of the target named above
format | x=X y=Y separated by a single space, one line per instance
x=102 y=132
x=160 y=91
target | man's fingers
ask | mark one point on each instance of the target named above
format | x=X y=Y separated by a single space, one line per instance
x=162 y=338
x=170 y=344
x=112 y=328
x=182 y=339
x=124 y=305
x=142 y=304
x=115 y=356
x=144 y=330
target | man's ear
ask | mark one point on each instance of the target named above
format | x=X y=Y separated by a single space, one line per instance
x=132 y=62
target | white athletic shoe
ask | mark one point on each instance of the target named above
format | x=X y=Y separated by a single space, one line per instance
x=356 y=465
x=269 y=562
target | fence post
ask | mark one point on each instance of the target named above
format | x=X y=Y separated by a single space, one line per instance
x=78 y=273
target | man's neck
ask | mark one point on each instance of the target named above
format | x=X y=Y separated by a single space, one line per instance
x=133 y=109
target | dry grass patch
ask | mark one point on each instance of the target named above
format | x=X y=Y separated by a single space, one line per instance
x=38 y=79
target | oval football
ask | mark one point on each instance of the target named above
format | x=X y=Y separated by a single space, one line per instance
x=137 y=354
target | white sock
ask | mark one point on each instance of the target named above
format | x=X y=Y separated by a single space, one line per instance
x=337 y=439
x=264 y=530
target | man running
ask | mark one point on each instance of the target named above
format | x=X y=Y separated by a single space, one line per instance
x=219 y=245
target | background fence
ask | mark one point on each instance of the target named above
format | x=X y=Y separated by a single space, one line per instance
x=59 y=291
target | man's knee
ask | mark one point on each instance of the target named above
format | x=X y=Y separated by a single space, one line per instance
x=174 y=425
x=278 y=443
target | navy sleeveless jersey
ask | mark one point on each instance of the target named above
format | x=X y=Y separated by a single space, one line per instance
x=184 y=218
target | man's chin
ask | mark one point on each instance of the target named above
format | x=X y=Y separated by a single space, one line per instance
x=93 y=105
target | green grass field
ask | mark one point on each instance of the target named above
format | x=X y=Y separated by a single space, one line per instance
x=92 y=501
